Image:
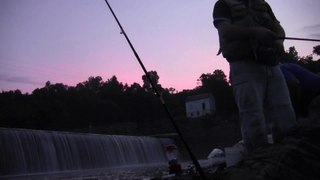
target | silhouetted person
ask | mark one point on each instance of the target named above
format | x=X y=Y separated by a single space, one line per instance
x=303 y=84
x=248 y=31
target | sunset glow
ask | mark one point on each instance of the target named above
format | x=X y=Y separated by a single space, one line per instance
x=69 y=41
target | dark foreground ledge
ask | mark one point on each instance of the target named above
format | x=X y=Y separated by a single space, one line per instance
x=297 y=157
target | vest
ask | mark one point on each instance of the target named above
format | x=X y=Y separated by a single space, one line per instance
x=255 y=14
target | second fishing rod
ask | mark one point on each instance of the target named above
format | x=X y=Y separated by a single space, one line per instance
x=192 y=157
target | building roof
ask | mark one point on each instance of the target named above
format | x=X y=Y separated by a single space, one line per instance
x=199 y=96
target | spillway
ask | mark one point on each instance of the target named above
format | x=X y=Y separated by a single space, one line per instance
x=24 y=151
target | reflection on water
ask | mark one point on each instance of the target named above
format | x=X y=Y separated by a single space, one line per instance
x=143 y=172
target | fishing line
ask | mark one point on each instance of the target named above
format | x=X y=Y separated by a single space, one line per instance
x=193 y=158
x=300 y=39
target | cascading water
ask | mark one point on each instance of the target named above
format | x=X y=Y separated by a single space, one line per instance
x=25 y=151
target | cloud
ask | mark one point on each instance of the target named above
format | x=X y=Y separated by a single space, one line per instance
x=22 y=80
x=315 y=36
x=315 y=27
x=312 y=31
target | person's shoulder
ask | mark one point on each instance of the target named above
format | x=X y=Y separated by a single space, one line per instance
x=286 y=72
x=221 y=12
x=270 y=11
x=220 y=8
x=289 y=66
x=220 y=3
x=295 y=68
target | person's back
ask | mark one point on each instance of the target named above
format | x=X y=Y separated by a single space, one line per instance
x=307 y=82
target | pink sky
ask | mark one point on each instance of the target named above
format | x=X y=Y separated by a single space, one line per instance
x=68 y=41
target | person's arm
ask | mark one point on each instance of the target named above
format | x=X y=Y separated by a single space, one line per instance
x=279 y=31
x=278 y=43
x=234 y=32
x=223 y=23
x=277 y=28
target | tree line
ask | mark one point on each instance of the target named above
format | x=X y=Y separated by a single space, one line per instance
x=97 y=103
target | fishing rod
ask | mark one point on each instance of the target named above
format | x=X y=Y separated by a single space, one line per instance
x=193 y=158
x=300 y=39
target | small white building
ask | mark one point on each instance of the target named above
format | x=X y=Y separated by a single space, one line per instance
x=200 y=105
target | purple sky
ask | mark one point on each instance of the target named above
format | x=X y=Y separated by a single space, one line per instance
x=67 y=41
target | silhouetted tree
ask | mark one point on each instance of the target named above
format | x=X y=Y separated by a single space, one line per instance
x=93 y=83
x=216 y=83
x=305 y=60
x=135 y=88
x=112 y=88
x=171 y=90
x=153 y=75
x=291 y=56
x=316 y=50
